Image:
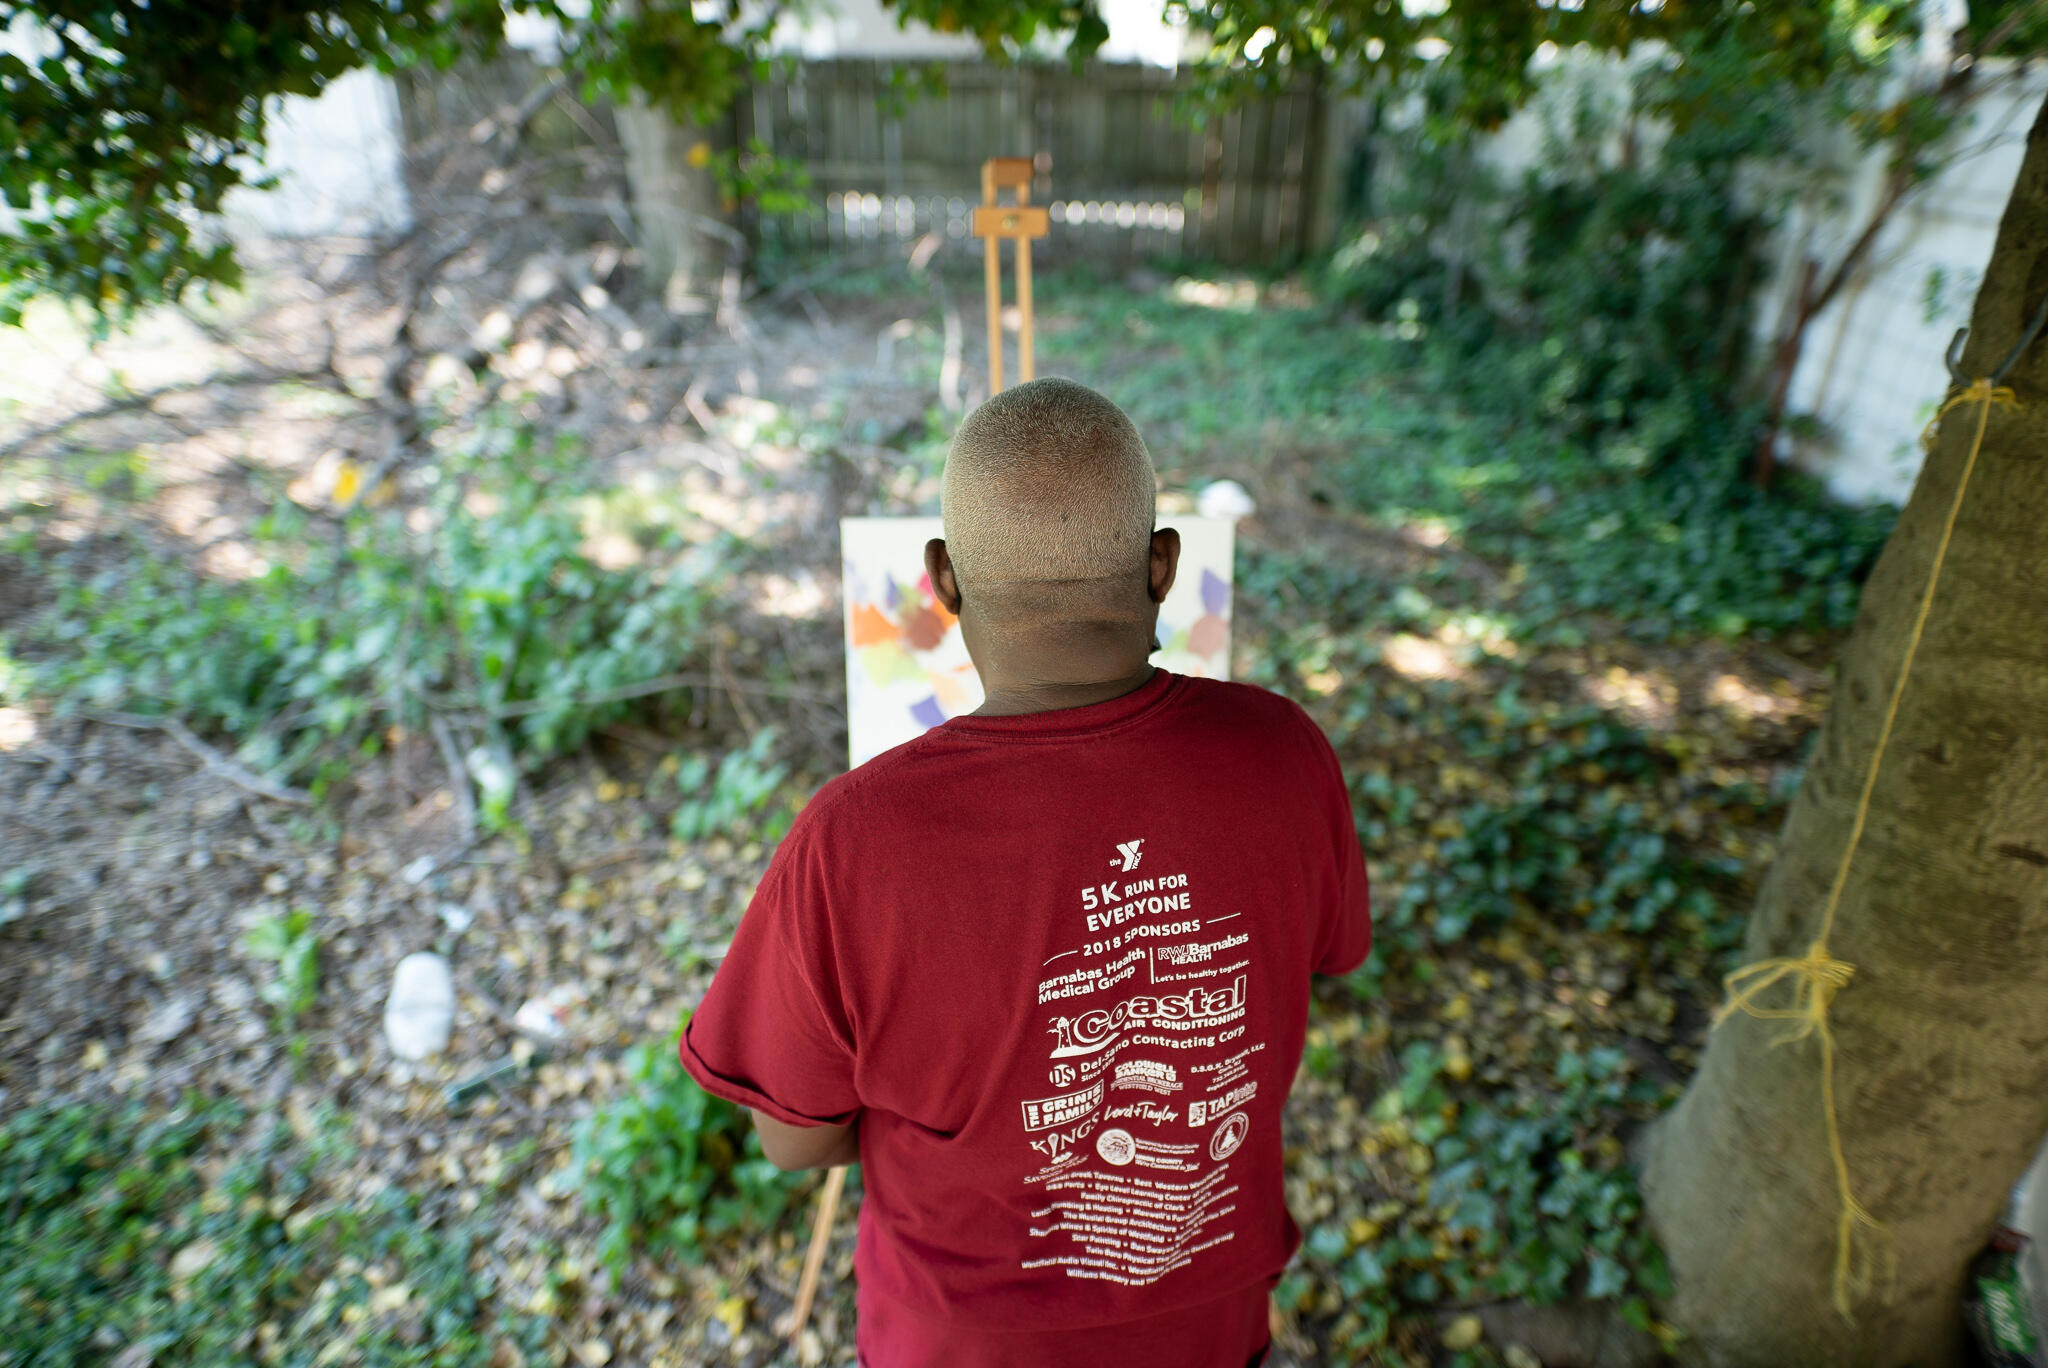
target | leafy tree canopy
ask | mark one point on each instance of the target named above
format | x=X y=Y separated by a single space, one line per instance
x=128 y=121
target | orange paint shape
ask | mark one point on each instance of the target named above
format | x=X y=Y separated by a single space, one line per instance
x=870 y=627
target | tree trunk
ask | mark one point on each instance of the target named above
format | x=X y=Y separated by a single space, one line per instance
x=1941 y=1066
x=686 y=235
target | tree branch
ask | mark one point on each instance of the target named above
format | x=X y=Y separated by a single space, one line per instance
x=458 y=775
x=215 y=761
x=147 y=398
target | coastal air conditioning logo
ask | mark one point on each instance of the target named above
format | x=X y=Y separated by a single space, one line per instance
x=1127 y=855
x=1089 y=1032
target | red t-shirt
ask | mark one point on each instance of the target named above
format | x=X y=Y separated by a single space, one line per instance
x=1058 y=965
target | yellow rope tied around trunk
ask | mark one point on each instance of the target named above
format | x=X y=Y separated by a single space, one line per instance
x=1817 y=975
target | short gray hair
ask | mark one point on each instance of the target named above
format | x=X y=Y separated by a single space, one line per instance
x=1047 y=482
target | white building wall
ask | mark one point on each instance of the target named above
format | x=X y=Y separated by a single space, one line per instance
x=863 y=28
x=339 y=157
x=340 y=162
x=1871 y=370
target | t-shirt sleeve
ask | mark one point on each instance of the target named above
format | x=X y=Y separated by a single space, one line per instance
x=771 y=1032
x=1346 y=934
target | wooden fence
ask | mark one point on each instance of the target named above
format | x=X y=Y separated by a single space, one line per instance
x=1122 y=177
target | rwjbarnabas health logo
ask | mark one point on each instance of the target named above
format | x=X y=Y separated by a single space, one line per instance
x=1087 y=1032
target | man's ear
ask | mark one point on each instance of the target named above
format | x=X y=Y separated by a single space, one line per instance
x=938 y=567
x=1165 y=563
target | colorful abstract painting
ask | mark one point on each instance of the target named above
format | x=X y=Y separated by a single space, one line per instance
x=906 y=667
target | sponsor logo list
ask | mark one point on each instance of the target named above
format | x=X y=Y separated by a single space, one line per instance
x=1134 y=1187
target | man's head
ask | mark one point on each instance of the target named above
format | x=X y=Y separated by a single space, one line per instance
x=1048 y=505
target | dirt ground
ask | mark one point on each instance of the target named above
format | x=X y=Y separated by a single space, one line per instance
x=124 y=976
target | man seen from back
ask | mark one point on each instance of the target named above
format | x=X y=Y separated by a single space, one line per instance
x=1044 y=971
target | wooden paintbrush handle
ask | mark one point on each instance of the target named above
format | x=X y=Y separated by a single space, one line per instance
x=814 y=1260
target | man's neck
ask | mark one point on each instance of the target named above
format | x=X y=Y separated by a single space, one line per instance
x=1066 y=668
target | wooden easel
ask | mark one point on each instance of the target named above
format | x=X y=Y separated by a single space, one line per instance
x=1020 y=222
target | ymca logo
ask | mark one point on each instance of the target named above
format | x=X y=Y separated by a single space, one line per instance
x=1127 y=855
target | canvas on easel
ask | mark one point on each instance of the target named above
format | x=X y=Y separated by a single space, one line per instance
x=906 y=667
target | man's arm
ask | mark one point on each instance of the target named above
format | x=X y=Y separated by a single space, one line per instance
x=1346 y=937
x=771 y=1033
x=790 y=1148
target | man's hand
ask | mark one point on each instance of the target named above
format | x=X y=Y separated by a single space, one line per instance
x=790 y=1148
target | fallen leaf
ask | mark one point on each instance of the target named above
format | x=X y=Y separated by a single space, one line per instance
x=189 y=1262
x=1463 y=1334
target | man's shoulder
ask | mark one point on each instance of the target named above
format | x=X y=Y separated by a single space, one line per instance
x=1247 y=711
x=879 y=784
x=1251 y=701
x=1249 y=718
x=904 y=777
x=910 y=789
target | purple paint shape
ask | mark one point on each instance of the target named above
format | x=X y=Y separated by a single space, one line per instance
x=895 y=596
x=1215 y=593
x=926 y=712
